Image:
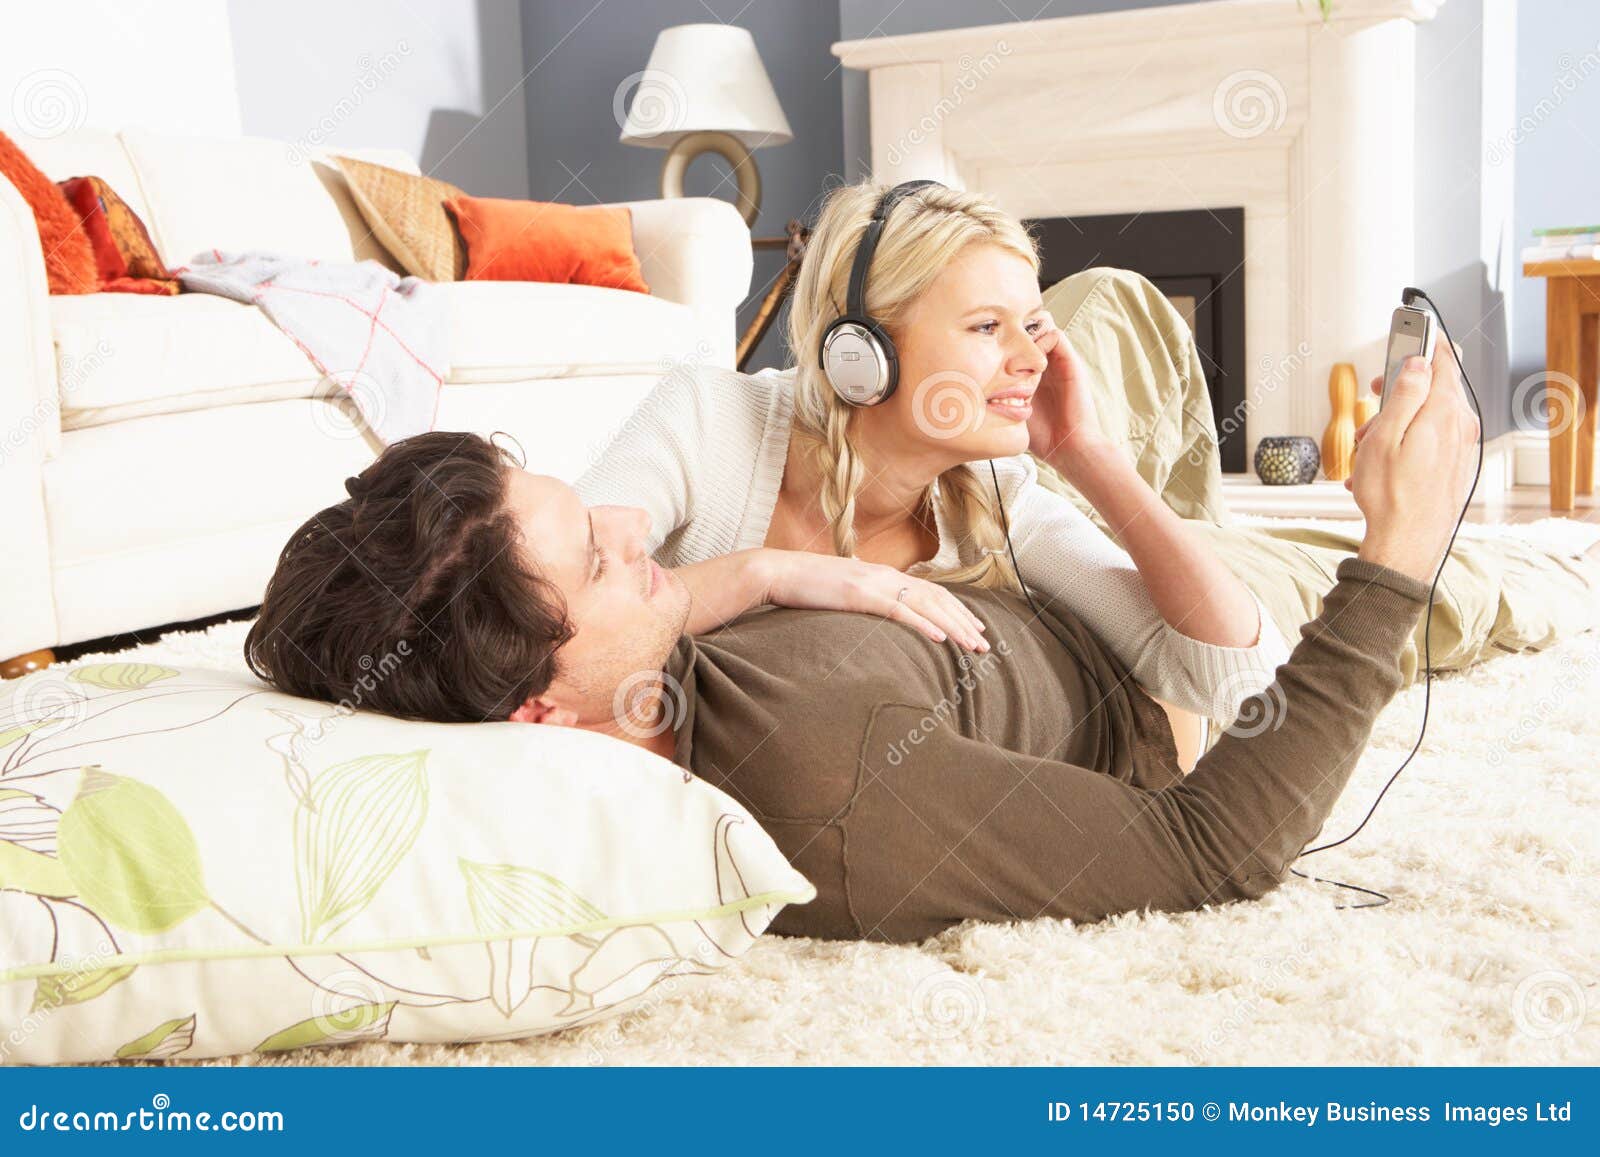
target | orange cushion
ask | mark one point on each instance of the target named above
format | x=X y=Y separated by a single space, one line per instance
x=69 y=263
x=548 y=241
x=124 y=254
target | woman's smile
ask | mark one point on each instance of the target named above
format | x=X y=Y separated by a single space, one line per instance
x=1015 y=403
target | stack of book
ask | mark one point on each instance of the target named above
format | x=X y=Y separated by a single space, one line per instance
x=1568 y=243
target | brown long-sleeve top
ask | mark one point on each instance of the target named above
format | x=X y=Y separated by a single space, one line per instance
x=917 y=785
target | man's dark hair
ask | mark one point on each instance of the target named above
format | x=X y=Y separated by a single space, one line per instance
x=413 y=597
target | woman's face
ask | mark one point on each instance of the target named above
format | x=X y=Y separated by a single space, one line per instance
x=968 y=361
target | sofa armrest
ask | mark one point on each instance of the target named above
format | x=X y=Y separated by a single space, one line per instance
x=30 y=429
x=27 y=359
x=694 y=250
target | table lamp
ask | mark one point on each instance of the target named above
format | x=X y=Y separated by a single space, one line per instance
x=706 y=90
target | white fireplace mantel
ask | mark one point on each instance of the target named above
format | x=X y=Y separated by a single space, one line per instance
x=1308 y=125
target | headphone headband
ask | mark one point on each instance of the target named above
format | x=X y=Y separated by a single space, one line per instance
x=855 y=301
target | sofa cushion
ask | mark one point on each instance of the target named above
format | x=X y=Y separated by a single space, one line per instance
x=405 y=211
x=69 y=261
x=426 y=881
x=92 y=153
x=121 y=356
x=509 y=330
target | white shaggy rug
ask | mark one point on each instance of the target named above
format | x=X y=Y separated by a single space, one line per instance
x=1488 y=954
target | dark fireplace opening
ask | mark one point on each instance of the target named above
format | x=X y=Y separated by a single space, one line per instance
x=1196 y=258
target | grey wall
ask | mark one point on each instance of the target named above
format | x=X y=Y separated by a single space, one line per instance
x=579 y=53
x=1465 y=87
x=437 y=78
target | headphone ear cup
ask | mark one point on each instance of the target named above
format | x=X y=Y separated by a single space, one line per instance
x=891 y=363
x=859 y=361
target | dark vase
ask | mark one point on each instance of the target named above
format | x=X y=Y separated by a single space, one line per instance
x=1287 y=460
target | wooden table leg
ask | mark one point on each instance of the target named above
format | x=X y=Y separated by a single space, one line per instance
x=1587 y=412
x=1562 y=369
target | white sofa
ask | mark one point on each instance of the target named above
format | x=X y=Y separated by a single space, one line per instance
x=156 y=453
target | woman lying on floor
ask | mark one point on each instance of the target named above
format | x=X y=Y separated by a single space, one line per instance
x=726 y=462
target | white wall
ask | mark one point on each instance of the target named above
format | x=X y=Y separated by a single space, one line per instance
x=161 y=64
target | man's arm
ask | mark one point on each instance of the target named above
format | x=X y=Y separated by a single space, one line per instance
x=956 y=828
x=1001 y=836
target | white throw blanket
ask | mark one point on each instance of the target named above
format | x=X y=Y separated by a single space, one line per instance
x=380 y=338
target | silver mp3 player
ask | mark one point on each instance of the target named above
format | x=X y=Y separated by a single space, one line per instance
x=1411 y=331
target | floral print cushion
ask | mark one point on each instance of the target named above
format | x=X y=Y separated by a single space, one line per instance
x=193 y=864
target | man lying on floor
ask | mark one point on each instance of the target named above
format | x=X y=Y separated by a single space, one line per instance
x=915 y=784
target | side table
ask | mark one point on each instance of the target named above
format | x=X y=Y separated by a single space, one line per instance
x=1572 y=359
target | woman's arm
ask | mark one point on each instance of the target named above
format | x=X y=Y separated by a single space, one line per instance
x=722 y=589
x=1194 y=590
x=1066 y=557
x=1192 y=633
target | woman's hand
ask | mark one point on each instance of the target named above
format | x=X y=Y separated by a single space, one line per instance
x=1063 y=427
x=798 y=578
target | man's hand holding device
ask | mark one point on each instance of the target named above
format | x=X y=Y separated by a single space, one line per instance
x=1414 y=465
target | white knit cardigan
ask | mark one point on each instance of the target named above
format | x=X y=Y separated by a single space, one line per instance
x=704 y=456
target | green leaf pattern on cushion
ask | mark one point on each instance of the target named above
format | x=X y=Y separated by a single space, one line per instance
x=130 y=854
x=509 y=899
x=11 y=734
x=27 y=821
x=357 y=822
x=77 y=987
x=25 y=870
x=506 y=898
x=362 y=1022
x=163 y=1041
x=121 y=676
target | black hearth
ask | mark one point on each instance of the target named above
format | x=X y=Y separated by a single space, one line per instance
x=1196 y=258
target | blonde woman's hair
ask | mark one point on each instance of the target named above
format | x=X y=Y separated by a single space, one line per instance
x=924 y=233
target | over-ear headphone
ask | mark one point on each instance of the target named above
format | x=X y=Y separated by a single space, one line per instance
x=857 y=356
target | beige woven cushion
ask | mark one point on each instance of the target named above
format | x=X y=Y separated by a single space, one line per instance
x=406 y=213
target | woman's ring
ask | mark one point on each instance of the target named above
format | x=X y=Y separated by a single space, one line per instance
x=901 y=597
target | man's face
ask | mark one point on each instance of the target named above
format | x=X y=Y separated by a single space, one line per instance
x=627 y=611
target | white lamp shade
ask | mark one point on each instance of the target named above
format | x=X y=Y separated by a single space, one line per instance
x=705 y=78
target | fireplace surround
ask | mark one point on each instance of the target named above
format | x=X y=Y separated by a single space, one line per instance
x=1305 y=125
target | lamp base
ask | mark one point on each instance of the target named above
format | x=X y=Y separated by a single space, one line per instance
x=728 y=147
